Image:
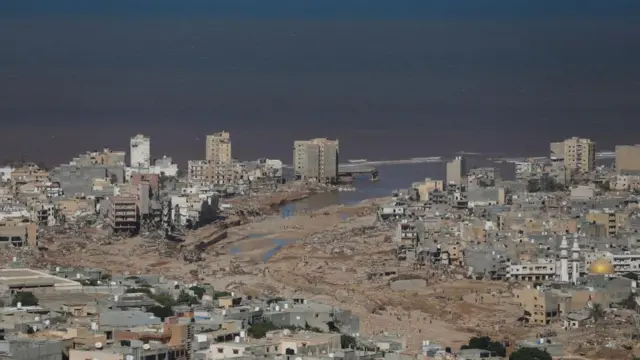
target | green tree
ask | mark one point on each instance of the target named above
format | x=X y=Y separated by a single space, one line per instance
x=629 y=303
x=219 y=294
x=199 y=291
x=348 y=341
x=164 y=299
x=533 y=185
x=186 y=299
x=161 y=312
x=25 y=298
x=137 y=290
x=527 y=353
x=259 y=330
x=632 y=276
x=597 y=312
x=485 y=343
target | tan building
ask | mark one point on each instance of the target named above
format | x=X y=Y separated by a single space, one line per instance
x=579 y=155
x=427 y=186
x=104 y=157
x=218 y=148
x=456 y=171
x=18 y=232
x=610 y=220
x=542 y=306
x=29 y=174
x=628 y=158
x=316 y=160
x=122 y=213
x=205 y=172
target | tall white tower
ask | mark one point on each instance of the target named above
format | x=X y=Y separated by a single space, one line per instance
x=564 y=260
x=140 y=151
x=575 y=260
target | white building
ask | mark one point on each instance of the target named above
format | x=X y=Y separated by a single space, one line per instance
x=623 y=262
x=163 y=166
x=543 y=269
x=523 y=168
x=5 y=173
x=140 y=151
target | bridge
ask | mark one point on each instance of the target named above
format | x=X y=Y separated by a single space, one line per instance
x=351 y=171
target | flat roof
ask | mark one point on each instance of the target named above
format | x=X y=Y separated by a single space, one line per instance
x=30 y=277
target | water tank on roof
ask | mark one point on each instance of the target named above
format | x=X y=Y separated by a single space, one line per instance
x=146 y=346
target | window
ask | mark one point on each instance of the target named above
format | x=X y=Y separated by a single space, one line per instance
x=235 y=351
x=220 y=350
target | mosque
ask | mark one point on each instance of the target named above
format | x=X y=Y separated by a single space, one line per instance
x=598 y=267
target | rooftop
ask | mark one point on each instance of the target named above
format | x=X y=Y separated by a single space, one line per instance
x=29 y=277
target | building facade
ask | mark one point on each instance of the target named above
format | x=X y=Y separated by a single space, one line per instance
x=456 y=171
x=316 y=160
x=628 y=158
x=579 y=155
x=140 y=151
x=218 y=148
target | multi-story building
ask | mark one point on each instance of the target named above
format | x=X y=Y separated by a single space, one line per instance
x=612 y=221
x=316 y=160
x=140 y=151
x=218 y=148
x=122 y=214
x=543 y=269
x=579 y=155
x=456 y=171
x=542 y=306
x=204 y=172
x=628 y=158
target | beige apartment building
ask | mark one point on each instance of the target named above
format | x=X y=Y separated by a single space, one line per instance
x=628 y=158
x=218 y=148
x=316 y=160
x=579 y=154
x=456 y=171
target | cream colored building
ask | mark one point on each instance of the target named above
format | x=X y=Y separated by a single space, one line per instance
x=218 y=148
x=207 y=172
x=427 y=186
x=628 y=158
x=456 y=171
x=579 y=155
x=316 y=159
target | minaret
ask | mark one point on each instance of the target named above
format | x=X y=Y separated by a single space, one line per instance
x=564 y=260
x=575 y=260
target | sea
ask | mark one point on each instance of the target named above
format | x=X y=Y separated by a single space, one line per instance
x=389 y=79
x=392 y=177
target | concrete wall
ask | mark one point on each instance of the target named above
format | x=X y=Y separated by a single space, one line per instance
x=36 y=350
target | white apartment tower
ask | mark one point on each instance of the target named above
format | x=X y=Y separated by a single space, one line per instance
x=218 y=148
x=140 y=151
x=316 y=160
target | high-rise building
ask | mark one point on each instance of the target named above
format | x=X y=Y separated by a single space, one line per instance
x=579 y=155
x=218 y=148
x=140 y=151
x=628 y=158
x=456 y=171
x=316 y=160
